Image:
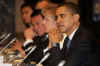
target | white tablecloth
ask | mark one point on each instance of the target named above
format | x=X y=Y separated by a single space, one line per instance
x=5 y=64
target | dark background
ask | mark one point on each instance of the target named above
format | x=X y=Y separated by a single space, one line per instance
x=87 y=12
x=7 y=18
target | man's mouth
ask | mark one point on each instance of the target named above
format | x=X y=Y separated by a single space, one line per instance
x=37 y=31
x=59 y=26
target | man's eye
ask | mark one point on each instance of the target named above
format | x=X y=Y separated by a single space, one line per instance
x=32 y=24
x=62 y=15
x=26 y=12
x=37 y=23
x=56 y=17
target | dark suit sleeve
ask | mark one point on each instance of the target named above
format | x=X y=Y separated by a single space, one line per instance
x=53 y=59
x=83 y=49
x=38 y=54
x=83 y=55
x=35 y=55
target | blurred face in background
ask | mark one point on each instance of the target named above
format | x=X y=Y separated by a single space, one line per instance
x=42 y=4
x=26 y=14
x=38 y=25
x=50 y=23
x=49 y=19
x=45 y=3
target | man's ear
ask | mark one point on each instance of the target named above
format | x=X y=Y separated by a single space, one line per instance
x=76 y=17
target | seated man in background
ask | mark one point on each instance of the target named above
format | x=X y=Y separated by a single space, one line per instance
x=26 y=12
x=24 y=48
x=54 y=35
x=45 y=3
x=40 y=40
x=48 y=25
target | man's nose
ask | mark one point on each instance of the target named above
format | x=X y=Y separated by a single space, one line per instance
x=24 y=16
x=35 y=27
x=58 y=20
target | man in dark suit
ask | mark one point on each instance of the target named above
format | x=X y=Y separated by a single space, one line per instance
x=40 y=40
x=35 y=43
x=79 y=45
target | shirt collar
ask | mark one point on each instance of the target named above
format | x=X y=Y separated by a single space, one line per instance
x=72 y=34
x=62 y=41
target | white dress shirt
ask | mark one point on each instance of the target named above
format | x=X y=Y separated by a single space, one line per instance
x=70 y=38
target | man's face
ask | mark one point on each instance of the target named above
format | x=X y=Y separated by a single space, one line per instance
x=26 y=14
x=65 y=19
x=50 y=22
x=38 y=25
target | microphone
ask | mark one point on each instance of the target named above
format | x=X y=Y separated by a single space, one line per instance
x=4 y=37
x=14 y=39
x=43 y=59
x=62 y=63
x=33 y=49
x=46 y=56
x=13 y=58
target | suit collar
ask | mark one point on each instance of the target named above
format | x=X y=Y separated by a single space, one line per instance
x=72 y=34
x=76 y=38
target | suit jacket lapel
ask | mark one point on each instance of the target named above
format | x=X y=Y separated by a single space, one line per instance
x=74 y=50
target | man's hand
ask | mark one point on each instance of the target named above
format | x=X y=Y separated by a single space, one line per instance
x=18 y=46
x=54 y=36
x=29 y=33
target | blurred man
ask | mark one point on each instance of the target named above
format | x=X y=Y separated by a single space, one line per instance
x=48 y=3
x=26 y=12
x=45 y=24
x=54 y=35
x=40 y=40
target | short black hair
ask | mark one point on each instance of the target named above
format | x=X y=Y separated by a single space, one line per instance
x=27 y=4
x=72 y=6
x=57 y=1
x=33 y=2
x=37 y=12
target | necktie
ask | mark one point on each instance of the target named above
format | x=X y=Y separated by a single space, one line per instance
x=65 y=43
x=65 y=49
